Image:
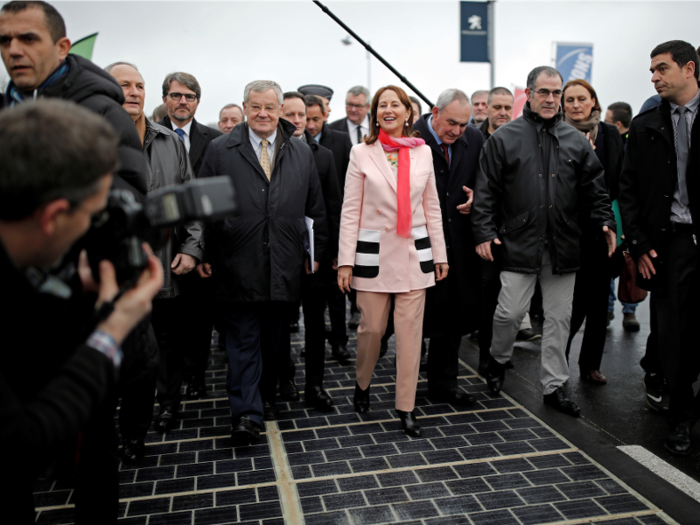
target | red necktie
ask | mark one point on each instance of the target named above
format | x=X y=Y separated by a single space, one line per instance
x=446 y=149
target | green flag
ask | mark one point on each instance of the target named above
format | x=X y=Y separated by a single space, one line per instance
x=84 y=46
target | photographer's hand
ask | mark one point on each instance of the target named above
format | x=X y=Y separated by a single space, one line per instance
x=135 y=304
x=203 y=270
x=183 y=263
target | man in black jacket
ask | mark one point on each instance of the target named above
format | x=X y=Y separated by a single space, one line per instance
x=55 y=382
x=41 y=67
x=256 y=258
x=181 y=95
x=453 y=306
x=317 y=288
x=339 y=143
x=537 y=176
x=659 y=199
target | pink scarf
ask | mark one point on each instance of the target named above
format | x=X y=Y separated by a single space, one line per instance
x=404 y=221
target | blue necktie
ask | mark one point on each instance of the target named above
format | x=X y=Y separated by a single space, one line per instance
x=181 y=133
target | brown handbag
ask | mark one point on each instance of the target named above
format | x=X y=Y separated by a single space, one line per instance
x=627 y=290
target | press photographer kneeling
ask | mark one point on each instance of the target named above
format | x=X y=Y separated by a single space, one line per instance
x=55 y=175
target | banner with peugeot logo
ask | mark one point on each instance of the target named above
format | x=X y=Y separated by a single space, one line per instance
x=474 y=32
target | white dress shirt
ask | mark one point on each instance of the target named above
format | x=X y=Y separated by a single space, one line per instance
x=256 y=142
x=352 y=129
x=186 y=128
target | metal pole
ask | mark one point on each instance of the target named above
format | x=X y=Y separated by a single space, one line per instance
x=492 y=49
x=370 y=50
x=369 y=72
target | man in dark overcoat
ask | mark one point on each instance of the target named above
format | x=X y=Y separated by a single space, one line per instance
x=256 y=257
x=453 y=306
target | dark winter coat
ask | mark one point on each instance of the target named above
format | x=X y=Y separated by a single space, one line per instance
x=536 y=179
x=464 y=274
x=94 y=89
x=50 y=381
x=168 y=164
x=339 y=143
x=649 y=178
x=258 y=255
x=325 y=164
x=200 y=137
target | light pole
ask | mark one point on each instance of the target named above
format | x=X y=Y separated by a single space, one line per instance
x=347 y=41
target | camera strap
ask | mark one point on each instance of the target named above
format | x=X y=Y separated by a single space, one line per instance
x=106 y=308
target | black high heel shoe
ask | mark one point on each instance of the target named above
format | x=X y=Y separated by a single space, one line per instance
x=409 y=423
x=361 y=399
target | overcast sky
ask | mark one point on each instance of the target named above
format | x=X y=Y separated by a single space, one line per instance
x=226 y=44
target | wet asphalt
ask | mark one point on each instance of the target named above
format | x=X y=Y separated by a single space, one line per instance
x=612 y=414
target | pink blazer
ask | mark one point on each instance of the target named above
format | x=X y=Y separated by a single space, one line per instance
x=381 y=260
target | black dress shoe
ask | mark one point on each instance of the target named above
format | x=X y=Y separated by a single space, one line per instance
x=196 y=390
x=454 y=396
x=383 y=349
x=527 y=335
x=354 y=321
x=341 y=353
x=166 y=418
x=562 y=403
x=134 y=450
x=294 y=327
x=289 y=390
x=270 y=411
x=495 y=375
x=361 y=399
x=409 y=423
x=678 y=441
x=245 y=432
x=317 y=397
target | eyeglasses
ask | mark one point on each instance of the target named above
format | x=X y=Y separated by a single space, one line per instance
x=355 y=106
x=544 y=93
x=190 y=97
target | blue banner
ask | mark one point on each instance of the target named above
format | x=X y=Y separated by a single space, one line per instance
x=574 y=61
x=474 y=32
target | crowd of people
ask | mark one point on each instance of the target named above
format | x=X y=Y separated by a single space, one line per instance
x=431 y=225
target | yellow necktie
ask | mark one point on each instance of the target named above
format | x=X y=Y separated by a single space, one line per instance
x=265 y=159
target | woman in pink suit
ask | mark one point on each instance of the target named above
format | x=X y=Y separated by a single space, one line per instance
x=391 y=243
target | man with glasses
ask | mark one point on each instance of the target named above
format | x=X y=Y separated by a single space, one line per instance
x=181 y=96
x=356 y=124
x=536 y=176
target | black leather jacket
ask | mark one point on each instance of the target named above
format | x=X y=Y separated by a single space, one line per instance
x=536 y=178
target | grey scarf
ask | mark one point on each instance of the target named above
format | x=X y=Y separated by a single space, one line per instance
x=590 y=125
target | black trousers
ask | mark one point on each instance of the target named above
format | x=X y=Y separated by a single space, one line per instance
x=169 y=325
x=137 y=392
x=651 y=362
x=443 y=354
x=314 y=292
x=352 y=295
x=97 y=477
x=490 y=288
x=677 y=312
x=336 y=308
x=197 y=294
x=591 y=293
x=254 y=332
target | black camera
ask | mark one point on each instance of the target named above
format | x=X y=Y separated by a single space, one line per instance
x=117 y=234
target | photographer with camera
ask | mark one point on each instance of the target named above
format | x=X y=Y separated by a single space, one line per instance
x=58 y=371
x=168 y=165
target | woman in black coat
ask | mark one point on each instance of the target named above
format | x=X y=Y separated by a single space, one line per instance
x=582 y=111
